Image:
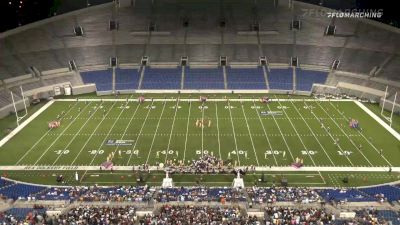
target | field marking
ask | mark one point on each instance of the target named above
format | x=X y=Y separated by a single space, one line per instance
x=251 y=138
x=91 y=135
x=280 y=131
x=294 y=106
x=41 y=138
x=363 y=136
x=25 y=123
x=126 y=128
x=219 y=141
x=195 y=99
x=187 y=131
x=172 y=129
x=351 y=141
x=140 y=131
x=301 y=140
x=329 y=133
x=58 y=137
x=102 y=142
x=202 y=129
x=154 y=137
x=76 y=133
x=234 y=133
x=265 y=133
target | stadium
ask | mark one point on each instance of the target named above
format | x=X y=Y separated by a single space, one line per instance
x=199 y=112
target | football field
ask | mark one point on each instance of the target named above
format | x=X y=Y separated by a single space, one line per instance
x=243 y=132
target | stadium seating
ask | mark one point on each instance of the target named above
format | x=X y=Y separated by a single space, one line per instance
x=166 y=78
x=248 y=78
x=204 y=78
x=20 y=191
x=22 y=213
x=386 y=192
x=349 y=195
x=102 y=79
x=281 y=79
x=306 y=78
x=126 y=79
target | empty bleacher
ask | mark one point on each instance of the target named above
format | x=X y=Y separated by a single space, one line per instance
x=126 y=79
x=17 y=191
x=349 y=195
x=306 y=78
x=204 y=78
x=102 y=79
x=162 y=78
x=281 y=79
x=245 y=78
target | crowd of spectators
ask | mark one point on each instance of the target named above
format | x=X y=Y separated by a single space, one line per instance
x=97 y=215
x=205 y=164
x=200 y=194
x=119 y=193
x=287 y=194
x=287 y=215
x=199 y=215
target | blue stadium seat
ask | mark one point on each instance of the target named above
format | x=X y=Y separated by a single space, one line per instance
x=20 y=191
x=165 y=78
x=21 y=213
x=102 y=79
x=281 y=79
x=390 y=193
x=126 y=79
x=350 y=195
x=204 y=78
x=245 y=78
x=306 y=78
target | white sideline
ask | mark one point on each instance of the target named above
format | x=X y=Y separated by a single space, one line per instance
x=154 y=168
x=25 y=123
x=197 y=100
x=379 y=120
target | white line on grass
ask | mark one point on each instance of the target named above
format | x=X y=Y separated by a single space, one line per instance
x=301 y=140
x=58 y=137
x=364 y=137
x=76 y=134
x=91 y=135
x=330 y=135
x=251 y=138
x=41 y=138
x=172 y=129
x=126 y=129
x=280 y=131
x=234 y=133
x=351 y=141
x=140 y=131
x=202 y=129
x=187 y=132
x=265 y=133
x=312 y=132
x=154 y=137
x=102 y=142
x=219 y=141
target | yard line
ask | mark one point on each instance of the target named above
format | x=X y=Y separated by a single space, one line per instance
x=58 y=137
x=351 y=141
x=297 y=133
x=91 y=135
x=105 y=138
x=280 y=131
x=234 y=133
x=312 y=132
x=41 y=138
x=126 y=128
x=301 y=140
x=265 y=133
x=187 y=132
x=140 y=131
x=330 y=135
x=251 y=138
x=154 y=137
x=219 y=141
x=364 y=137
x=172 y=129
x=76 y=134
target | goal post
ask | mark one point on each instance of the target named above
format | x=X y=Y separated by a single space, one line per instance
x=18 y=117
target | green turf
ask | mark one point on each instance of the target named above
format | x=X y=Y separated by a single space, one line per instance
x=237 y=132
